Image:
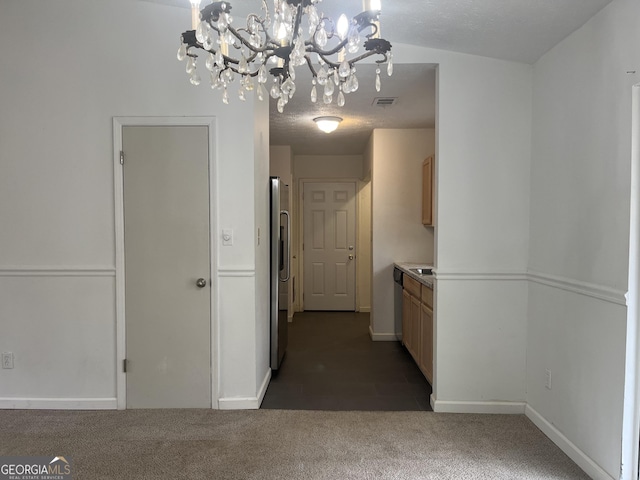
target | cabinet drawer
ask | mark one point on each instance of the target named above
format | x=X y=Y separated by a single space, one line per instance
x=412 y=286
x=427 y=296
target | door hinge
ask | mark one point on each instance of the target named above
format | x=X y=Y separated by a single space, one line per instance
x=124 y=365
x=121 y=157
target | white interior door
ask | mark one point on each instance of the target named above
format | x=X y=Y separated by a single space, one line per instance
x=329 y=246
x=166 y=241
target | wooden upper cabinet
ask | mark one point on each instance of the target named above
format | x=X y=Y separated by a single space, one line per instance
x=427 y=191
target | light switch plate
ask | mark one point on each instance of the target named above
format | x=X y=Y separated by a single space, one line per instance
x=227 y=237
x=7 y=360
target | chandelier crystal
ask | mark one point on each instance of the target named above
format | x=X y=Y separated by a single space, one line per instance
x=293 y=34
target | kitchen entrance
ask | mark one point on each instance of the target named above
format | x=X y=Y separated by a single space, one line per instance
x=332 y=364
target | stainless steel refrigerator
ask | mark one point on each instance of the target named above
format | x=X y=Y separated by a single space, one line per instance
x=280 y=269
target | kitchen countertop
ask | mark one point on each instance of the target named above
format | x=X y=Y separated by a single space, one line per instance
x=427 y=280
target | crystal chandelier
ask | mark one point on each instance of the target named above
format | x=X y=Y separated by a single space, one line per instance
x=293 y=34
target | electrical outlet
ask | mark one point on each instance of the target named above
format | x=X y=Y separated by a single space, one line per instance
x=7 y=360
x=547 y=378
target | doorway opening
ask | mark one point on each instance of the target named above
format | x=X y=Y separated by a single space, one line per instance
x=349 y=355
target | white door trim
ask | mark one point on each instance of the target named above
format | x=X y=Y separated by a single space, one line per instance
x=300 y=274
x=118 y=124
x=631 y=413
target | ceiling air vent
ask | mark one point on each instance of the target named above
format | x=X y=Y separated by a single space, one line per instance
x=384 y=101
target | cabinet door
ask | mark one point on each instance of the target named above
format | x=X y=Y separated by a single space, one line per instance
x=427 y=191
x=426 y=339
x=406 y=318
x=415 y=345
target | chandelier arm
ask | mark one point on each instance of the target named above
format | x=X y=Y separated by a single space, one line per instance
x=328 y=61
x=331 y=33
x=310 y=65
x=316 y=48
x=356 y=59
x=237 y=35
x=367 y=55
x=375 y=31
x=296 y=24
x=235 y=70
x=268 y=40
x=384 y=60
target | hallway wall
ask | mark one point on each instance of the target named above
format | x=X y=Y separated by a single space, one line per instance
x=578 y=259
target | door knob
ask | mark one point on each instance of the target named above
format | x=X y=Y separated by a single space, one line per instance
x=201 y=283
x=350 y=257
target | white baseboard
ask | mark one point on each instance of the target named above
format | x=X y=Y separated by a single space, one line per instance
x=383 y=337
x=573 y=452
x=59 y=403
x=509 y=408
x=264 y=386
x=246 y=403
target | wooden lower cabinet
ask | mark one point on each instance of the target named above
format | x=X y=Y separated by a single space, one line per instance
x=426 y=336
x=417 y=331
x=416 y=343
x=406 y=319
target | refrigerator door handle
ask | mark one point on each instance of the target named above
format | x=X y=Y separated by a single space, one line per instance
x=288 y=275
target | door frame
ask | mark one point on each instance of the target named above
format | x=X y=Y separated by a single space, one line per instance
x=118 y=178
x=301 y=185
x=631 y=406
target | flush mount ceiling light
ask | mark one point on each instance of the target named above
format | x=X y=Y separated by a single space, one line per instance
x=327 y=124
x=292 y=34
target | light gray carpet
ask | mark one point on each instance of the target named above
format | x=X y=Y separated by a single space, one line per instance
x=278 y=444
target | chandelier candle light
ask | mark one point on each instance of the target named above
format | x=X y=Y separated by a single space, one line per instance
x=278 y=38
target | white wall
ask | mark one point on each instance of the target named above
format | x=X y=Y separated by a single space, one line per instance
x=397 y=230
x=483 y=149
x=364 y=256
x=263 y=253
x=281 y=163
x=57 y=268
x=327 y=166
x=580 y=192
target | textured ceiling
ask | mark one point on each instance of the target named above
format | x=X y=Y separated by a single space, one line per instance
x=414 y=87
x=518 y=30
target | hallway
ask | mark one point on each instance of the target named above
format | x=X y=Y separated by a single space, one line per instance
x=332 y=364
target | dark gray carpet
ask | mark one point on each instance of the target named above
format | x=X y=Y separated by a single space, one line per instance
x=275 y=444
